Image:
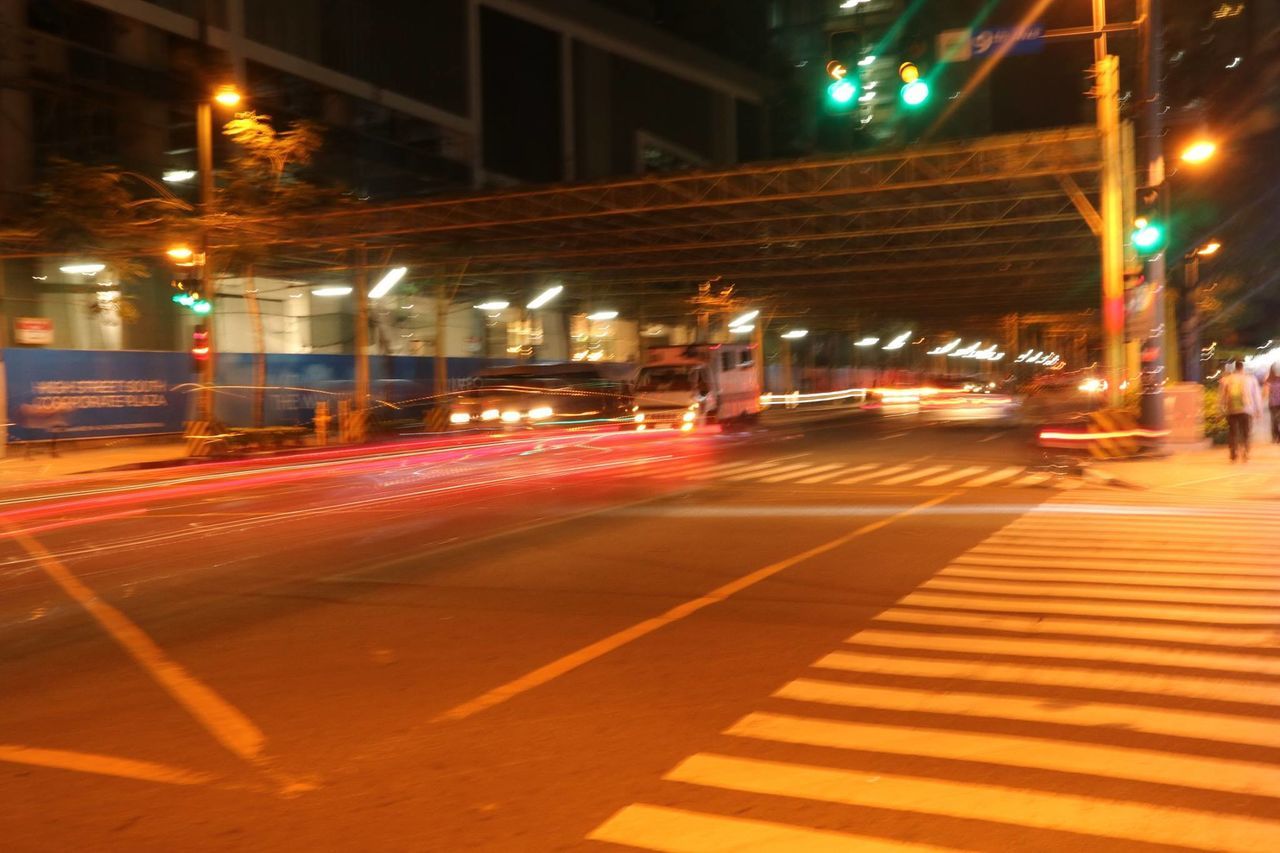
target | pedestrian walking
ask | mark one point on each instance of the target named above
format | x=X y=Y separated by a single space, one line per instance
x=1273 y=400
x=1241 y=400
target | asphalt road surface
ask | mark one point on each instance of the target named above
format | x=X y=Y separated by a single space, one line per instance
x=858 y=632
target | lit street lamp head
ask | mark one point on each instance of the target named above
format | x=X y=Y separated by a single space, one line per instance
x=1210 y=248
x=1199 y=151
x=227 y=96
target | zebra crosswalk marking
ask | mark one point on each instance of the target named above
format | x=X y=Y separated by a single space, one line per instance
x=914 y=475
x=871 y=475
x=680 y=831
x=751 y=475
x=948 y=600
x=1058 y=675
x=1107 y=591
x=990 y=479
x=1232 y=580
x=954 y=475
x=1062 y=561
x=831 y=475
x=1000 y=804
x=1200 y=725
x=1069 y=650
x=1105 y=761
x=812 y=469
x=1033 y=622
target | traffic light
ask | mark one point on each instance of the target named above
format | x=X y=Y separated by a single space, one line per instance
x=842 y=91
x=1147 y=236
x=189 y=295
x=199 y=346
x=914 y=91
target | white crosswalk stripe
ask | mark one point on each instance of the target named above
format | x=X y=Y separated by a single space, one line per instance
x=1110 y=652
x=839 y=472
x=864 y=475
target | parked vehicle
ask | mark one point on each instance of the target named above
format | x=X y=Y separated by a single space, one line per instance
x=687 y=386
x=568 y=393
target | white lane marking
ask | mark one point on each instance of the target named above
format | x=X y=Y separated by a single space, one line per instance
x=1135 y=610
x=989 y=479
x=679 y=831
x=1023 y=647
x=894 y=435
x=913 y=796
x=219 y=717
x=1033 y=479
x=813 y=469
x=1061 y=756
x=831 y=475
x=912 y=475
x=1089 y=677
x=1233 y=580
x=1201 y=725
x=994 y=436
x=1099 y=626
x=105 y=765
x=1105 y=591
x=848 y=481
x=955 y=475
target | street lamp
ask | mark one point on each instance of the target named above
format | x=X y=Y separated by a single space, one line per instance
x=1210 y=248
x=1199 y=151
x=1189 y=321
x=227 y=96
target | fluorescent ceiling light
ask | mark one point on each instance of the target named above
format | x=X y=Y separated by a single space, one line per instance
x=335 y=290
x=795 y=334
x=495 y=305
x=603 y=315
x=899 y=342
x=177 y=176
x=866 y=342
x=745 y=318
x=546 y=296
x=742 y=330
x=83 y=269
x=945 y=348
x=390 y=280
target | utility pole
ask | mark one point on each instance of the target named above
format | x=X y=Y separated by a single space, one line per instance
x=1107 y=81
x=1153 y=347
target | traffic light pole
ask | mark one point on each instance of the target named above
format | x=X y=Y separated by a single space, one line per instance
x=1156 y=328
x=1112 y=215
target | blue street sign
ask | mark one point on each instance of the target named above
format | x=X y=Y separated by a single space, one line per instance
x=986 y=42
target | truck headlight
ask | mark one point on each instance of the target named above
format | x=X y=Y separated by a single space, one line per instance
x=688 y=417
x=490 y=415
x=510 y=417
x=639 y=417
x=540 y=413
x=460 y=418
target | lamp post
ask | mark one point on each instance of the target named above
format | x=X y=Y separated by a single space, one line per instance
x=226 y=96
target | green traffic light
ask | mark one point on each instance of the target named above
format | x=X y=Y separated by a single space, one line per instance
x=842 y=91
x=915 y=93
x=1147 y=236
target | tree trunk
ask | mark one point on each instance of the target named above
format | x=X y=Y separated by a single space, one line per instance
x=260 y=350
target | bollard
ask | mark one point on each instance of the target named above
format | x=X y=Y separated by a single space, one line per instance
x=322 y=423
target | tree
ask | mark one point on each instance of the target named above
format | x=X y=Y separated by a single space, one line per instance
x=108 y=215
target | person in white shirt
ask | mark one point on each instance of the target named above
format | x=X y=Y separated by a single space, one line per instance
x=1241 y=400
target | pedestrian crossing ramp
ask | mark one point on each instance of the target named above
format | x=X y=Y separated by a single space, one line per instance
x=797 y=472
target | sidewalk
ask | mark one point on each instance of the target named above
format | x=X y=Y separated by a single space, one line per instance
x=1208 y=473
x=70 y=461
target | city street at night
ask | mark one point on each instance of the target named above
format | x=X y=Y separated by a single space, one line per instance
x=831 y=632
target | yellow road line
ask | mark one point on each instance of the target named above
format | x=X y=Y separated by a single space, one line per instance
x=220 y=718
x=106 y=765
x=586 y=654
